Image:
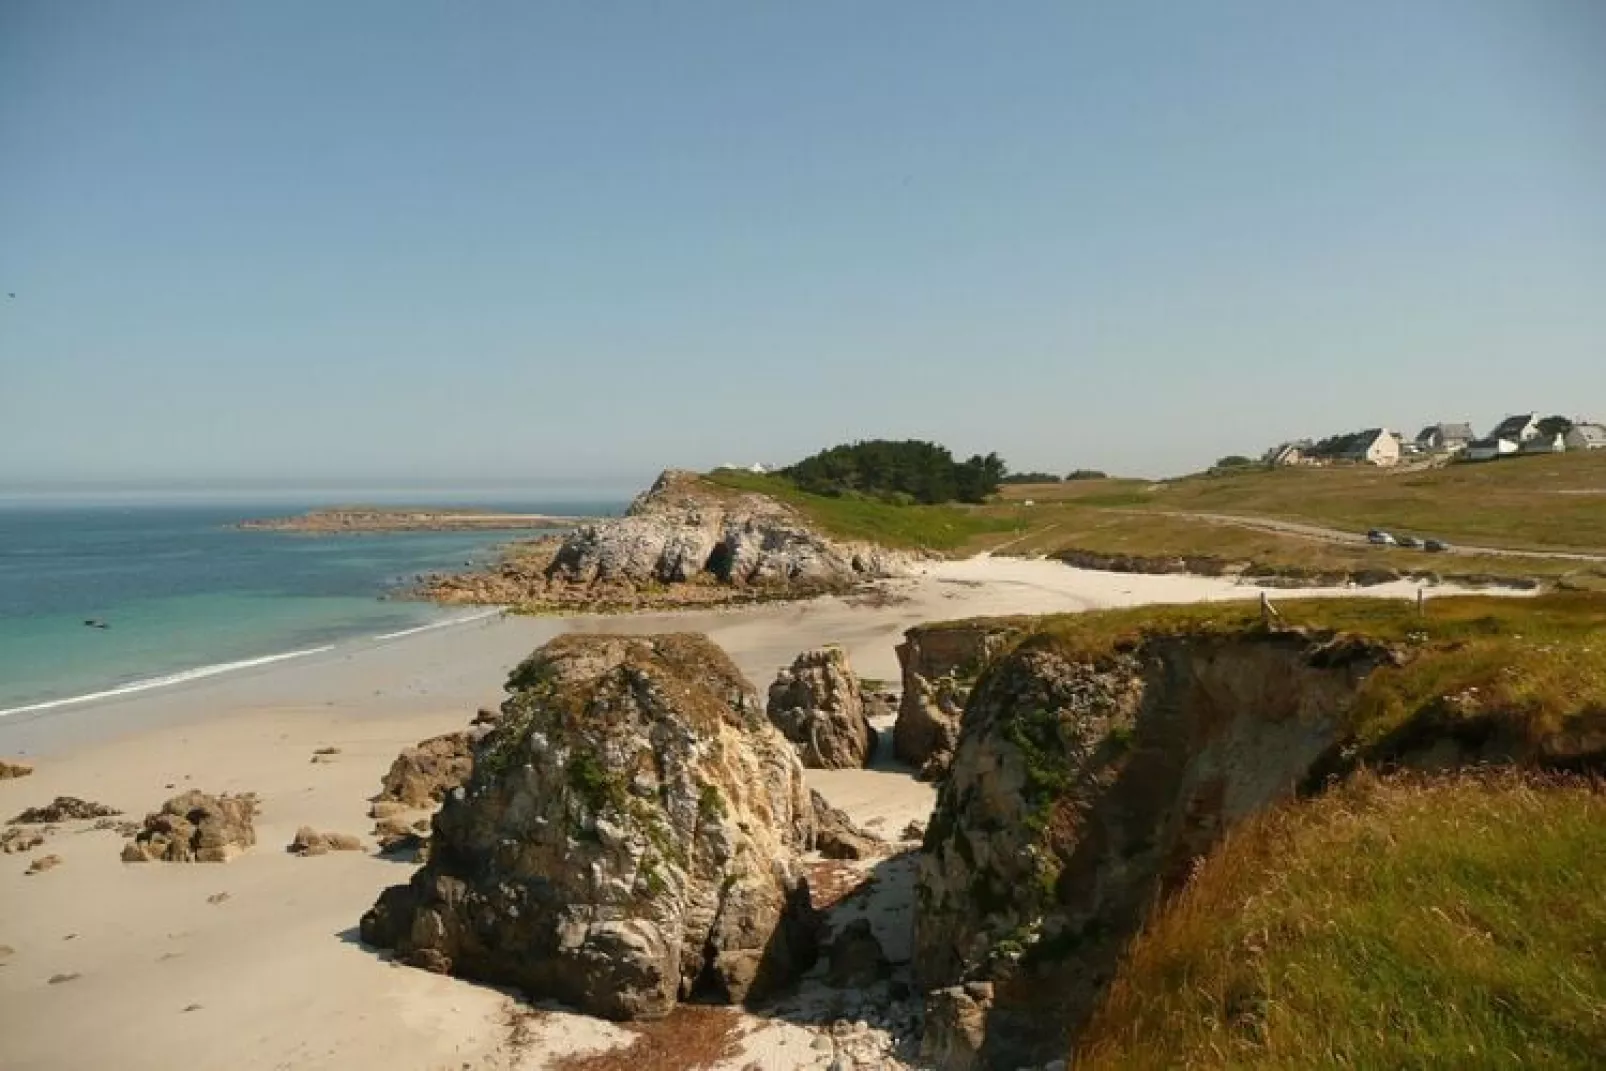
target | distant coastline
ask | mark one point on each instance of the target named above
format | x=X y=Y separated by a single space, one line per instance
x=406 y=519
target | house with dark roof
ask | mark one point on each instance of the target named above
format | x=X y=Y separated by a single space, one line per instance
x=1586 y=437
x=1545 y=444
x=1489 y=449
x=1374 y=446
x=1519 y=428
x=1444 y=438
x=1294 y=453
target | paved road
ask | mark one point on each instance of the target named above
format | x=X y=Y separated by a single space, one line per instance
x=1337 y=535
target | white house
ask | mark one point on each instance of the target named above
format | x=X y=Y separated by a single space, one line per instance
x=1489 y=449
x=1293 y=453
x=1586 y=437
x=1519 y=428
x=1544 y=444
x=1444 y=438
x=1375 y=446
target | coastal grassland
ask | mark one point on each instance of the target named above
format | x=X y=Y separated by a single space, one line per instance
x=1402 y=922
x=1542 y=502
x=890 y=524
x=1534 y=668
x=1055 y=528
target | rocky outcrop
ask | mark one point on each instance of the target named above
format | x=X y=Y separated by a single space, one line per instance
x=309 y=841
x=630 y=837
x=422 y=775
x=940 y=663
x=43 y=863
x=9 y=770
x=65 y=809
x=818 y=704
x=1082 y=790
x=684 y=541
x=195 y=828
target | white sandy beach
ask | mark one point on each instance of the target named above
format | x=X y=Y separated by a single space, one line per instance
x=272 y=976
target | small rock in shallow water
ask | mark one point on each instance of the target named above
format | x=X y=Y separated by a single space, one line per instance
x=57 y=979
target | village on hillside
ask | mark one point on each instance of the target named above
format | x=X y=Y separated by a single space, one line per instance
x=1522 y=433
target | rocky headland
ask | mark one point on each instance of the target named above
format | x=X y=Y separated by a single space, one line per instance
x=684 y=542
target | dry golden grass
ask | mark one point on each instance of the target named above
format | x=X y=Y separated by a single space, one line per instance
x=1392 y=923
x=689 y=1038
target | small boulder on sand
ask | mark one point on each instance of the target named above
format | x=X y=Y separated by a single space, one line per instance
x=195 y=828
x=9 y=770
x=43 y=863
x=65 y=809
x=309 y=841
x=17 y=839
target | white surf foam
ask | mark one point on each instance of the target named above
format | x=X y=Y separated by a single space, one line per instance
x=166 y=680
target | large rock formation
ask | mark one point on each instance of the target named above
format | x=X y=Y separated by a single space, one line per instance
x=630 y=837
x=1079 y=792
x=940 y=663
x=818 y=704
x=9 y=770
x=195 y=828
x=684 y=541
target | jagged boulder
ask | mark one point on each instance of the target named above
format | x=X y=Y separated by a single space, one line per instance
x=195 y=828
x=630 y=837
x=422 y=774
x=940 y=663
x=818 y=704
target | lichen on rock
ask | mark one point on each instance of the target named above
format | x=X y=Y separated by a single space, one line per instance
x=629 y=838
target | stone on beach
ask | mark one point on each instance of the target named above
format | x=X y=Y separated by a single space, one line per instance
x=195 y=827
x=423 y=774
x=9 y=770
x=65 y=809
x=309 y=841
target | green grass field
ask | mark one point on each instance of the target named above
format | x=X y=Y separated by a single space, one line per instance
x=1546 y=503
x=1401 y=923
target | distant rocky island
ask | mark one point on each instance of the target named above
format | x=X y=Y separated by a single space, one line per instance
x=406 y=519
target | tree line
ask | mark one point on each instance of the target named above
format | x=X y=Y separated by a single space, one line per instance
x=912 y=470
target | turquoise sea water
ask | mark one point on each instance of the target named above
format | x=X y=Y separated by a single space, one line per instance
x=183 y=593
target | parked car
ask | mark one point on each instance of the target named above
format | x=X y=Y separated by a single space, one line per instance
x=1436 y=546
x=1380 y=538
x=1410 y=541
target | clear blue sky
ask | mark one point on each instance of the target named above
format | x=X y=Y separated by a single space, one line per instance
x=426 y=242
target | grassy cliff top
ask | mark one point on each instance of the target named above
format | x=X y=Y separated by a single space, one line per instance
x=1453 y=922
x=1537 y=665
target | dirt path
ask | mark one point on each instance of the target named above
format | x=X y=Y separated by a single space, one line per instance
x=1336 y=535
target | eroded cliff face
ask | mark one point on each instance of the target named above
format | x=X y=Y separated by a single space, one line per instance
x=818 y=704
x=940 y=663
x=630 y=837
x=1080 y=791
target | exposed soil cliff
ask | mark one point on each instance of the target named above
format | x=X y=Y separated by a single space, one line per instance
x=683 y=542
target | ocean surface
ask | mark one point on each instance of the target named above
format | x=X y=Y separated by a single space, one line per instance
x=185 y=595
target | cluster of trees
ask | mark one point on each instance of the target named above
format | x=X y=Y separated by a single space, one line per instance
x=1552 y=426
x=912 y=471
x=1049 y=477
